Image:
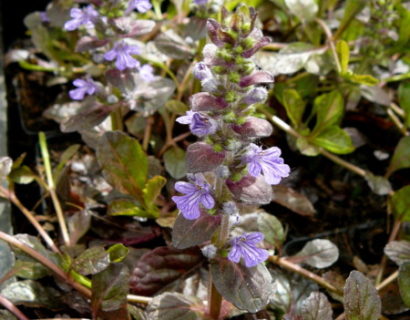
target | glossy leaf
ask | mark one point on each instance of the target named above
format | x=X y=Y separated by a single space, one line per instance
x=174 y=161
x=91 y=261
x=317 y=307
x=404 y=282
x=188 y=233
x=124 y=162
x=246 y=288
x=152 y=190
x=78 y=224
x=400 y=202
x=22 y=175
x=378 y=184
x=30 y=270
x=293 y=200
x=126 y=207
x=398 y=251
x=329 y=108
x=171 y=44
x=361 y=300
x=294 y=106
x=401 y=156
x=335 y=140
x=173 y=305
x=271 y=228
x=319 y=253
x=159 y=267
x=117 y=252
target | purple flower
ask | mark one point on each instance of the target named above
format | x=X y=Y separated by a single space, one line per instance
x=141 y=6
x=201 y=2
x=147 y=73
x=201 y=71
x=44 y=17
x=245 y=247
x=86 y=16
x=199 y=124
x=122 y=54
x=255 y=95
x=267 y=162
x=196 y=193
x=83 y=87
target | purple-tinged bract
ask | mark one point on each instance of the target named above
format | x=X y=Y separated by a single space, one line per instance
x=81 y=17
x=267 y=162
x=122 y=52
x=245 y=247
x=140 y=5
x=196 y=194
x=84 y=87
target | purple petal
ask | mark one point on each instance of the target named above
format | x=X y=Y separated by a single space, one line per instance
x=79 y=83
x=76 y=13
x=185 y=187
x=207 y=201
x=71 y=25
x=110 y=55
x=253 y=255
x=185 y=119
x=254 y=237
x=254 y=168
x=235 y=254
x=77 y=94
x=274 y=172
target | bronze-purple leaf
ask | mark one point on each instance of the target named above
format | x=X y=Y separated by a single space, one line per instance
x=247 y=288
x=188 y=233
x=254 y=128
x=251 y=190
x=256 y=78
x=204 y=101
x=201 y=157
x=161 y=266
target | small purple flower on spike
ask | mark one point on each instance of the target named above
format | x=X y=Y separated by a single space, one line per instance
x=196 y=193
x=122 y=54
x=141 y=6
x=86 y=17
x=201 y=2
x=201 y=71
x=198 y=124
x=83 y=87
x=147 y=73
x=245 y=247
x=267 y=162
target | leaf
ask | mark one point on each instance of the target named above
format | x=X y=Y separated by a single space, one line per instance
x=319 y=253
x=33 y=294
x=305 y=10
x=188 y=233
x=171 y=44
x=398 y=251
x=30 y=270
x=334 y=139
x=161 y=266
x=35 y=244
x=5 y=167
x=176 y=106
x=124 y=162
x=173 y=305
x=174 y=161
x=6 y=315
x=317 y=307
x=361 y=300
x=352 y=8
x=401 y=203
x=246 y=288
x=294 y=106
x=293 y=200
x=364 y=79
x=344 y=55
x=110 y=288
x=404 y=98
x=404 y=282
x=22 y=175
x=152 y=190
x=202 y=157
x=271 y=228
x=91 y=261
x=378 y=184
x=329 y=108
x=127 y=207
x=401 y=156
x=78 y=224
x=117 y=252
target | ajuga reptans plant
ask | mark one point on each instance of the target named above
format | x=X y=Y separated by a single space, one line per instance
x=227 y=169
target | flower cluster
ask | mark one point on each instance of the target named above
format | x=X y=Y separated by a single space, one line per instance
x=227 y=168
x=112 y=39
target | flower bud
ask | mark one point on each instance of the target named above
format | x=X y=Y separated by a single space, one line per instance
x=255 y=95
x=209 y=251
x=201 y=71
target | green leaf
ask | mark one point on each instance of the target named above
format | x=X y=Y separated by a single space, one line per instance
x=344 y=55
x=176 y=106
x=22 y=175
x=126 y=207
x=117 y=252
x=401 y=156
x=334 y=139
x=124 y=162
x=91 y=261
x=271 y=228
x=294 y=106
x=305 y=10
x=365 y=79
x=152 y=190
x=401 y=203
x=110 y=288
x=361 y=300
x=246 y=288
x=329 y=108
x=404 y=99
x=352 y=8
x=404 y=21
x=174 y=161
x=404 y=282
x=30 y=270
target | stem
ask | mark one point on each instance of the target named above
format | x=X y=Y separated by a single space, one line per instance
x=46 y=262
x=173 y=142
x=12 y=308
x=51 y=188
x=147 y=133
x=215 y=300
x=138 y=299
x=388 y=280
x=397 y=122
x=29 y=215
x=282 y=262
x=331 y=43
